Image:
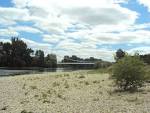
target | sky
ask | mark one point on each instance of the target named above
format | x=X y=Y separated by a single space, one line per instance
x=86 y=28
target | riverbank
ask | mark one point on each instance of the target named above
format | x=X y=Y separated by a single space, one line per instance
x=69 y=92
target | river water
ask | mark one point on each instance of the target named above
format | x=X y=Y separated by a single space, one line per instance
x=20 y=71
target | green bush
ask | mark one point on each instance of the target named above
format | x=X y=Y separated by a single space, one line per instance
x=129 y=73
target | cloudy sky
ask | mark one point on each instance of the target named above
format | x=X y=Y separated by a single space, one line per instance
x=78 y=27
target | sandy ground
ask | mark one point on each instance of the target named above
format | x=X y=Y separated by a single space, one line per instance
x=69 y=92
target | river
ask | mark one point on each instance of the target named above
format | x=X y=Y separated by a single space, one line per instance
x=20 y=71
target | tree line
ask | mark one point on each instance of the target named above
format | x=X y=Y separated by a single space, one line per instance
x=17 y=54
x=120 y=54
x=98 y=63
x=75 y=58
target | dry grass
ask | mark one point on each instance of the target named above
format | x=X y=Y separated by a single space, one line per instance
x=73 y=92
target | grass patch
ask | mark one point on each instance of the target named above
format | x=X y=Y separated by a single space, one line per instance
x=132 y=99
x=44 y=95
x=96 y=99
x=96 y=81
x=36 y=96
x=33 y=87
x=81 y=76
x=66 y=75
x=24 y=111
x=4 y=108
x=23 y=102
x=86 y=83
x=61 y=96
x=66 y=84
x=101 y=70
x=24 y=85
x=55 y=84
x=46 y=101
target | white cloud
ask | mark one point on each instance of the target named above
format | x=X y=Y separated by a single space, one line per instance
x=53 y=38
x=25 y=29
x=20 y=3
x=75 y=27
x=140 y=50
x=146 y=3
x=38 y=46
x=104 y=15
x=8 y=32
x=4 y=40
x=13 y=14
x=55 y=16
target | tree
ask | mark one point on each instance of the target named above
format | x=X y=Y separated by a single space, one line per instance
x=51 y=61
x=15 y=54
x=27 y=56
x=66 y=59
x=119 y=54
x=7 y=50
x=39 y=56
x=129 y=73
x=20 y=54
x=146 y=58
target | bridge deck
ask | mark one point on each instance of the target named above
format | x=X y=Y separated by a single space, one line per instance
x=75 y=63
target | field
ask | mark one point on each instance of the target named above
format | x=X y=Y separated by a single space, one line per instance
x=69 y=92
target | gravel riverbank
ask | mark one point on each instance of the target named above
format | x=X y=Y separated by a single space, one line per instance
x=69 y=92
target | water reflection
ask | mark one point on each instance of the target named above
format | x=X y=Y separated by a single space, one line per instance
x=19 y=71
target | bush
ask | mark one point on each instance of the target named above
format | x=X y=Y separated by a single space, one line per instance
x=129 y=73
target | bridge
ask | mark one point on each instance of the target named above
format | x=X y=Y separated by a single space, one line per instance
x=78 y=65
x=75 y=63
x=81 y=65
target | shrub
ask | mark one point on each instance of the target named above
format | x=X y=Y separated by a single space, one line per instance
x=129 y=73
x=81 y=76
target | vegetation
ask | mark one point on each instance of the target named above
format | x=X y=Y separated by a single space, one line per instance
x=74 y=58
x=17 y=54
x=24 y=111
x=50 y=60
x=119 y=54
x=102 y=64
x=146 y=58
x=129 y=73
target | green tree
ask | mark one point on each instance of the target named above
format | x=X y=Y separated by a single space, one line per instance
x=39 y=55
x=51 y=61
x=146 y=58
x=15 y=54
x=7 y=50
x=20 y=54
x=119 y=54
x=129 y=73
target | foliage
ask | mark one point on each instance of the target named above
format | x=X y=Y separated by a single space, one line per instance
x=51 y=60
x=101 y=70
x=17 y=54
x=129 y=73
x=119 y=54
x=38 y=60
x=145 y=58
x=74 y=58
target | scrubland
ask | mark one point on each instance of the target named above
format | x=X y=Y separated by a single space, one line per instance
x=70 y=92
